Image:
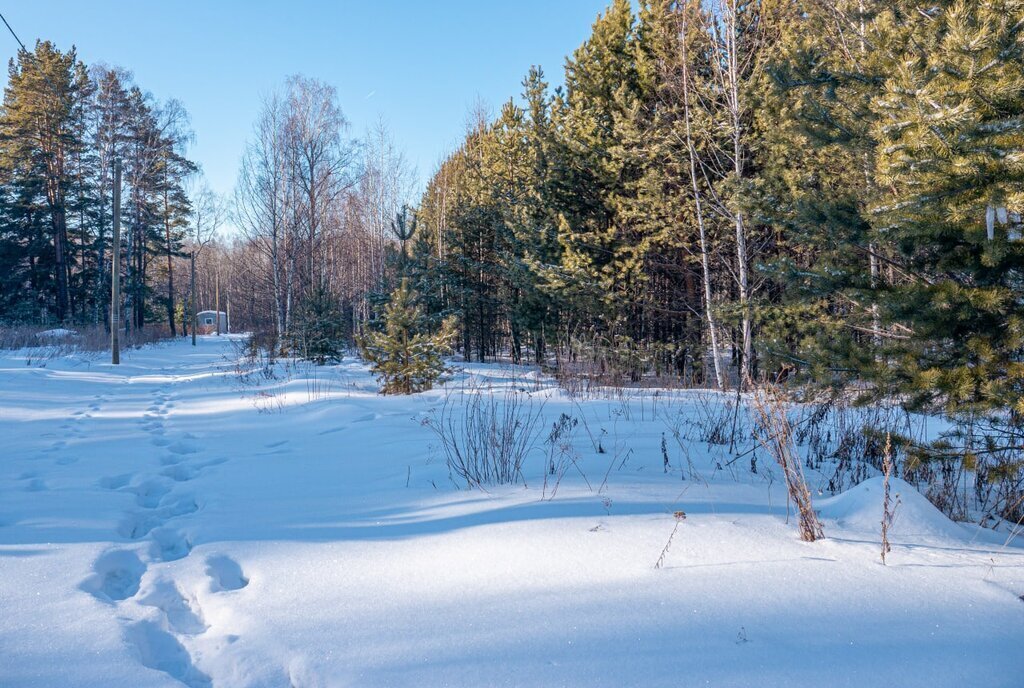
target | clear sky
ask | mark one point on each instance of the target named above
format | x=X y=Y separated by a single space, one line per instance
x=418 y=64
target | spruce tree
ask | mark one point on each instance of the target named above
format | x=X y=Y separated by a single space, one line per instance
x=319 y=329
x=406 y=358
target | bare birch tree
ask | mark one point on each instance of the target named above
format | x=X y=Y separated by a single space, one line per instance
x=705 y=260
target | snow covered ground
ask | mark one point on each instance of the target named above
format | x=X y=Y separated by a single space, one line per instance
x=165 y=523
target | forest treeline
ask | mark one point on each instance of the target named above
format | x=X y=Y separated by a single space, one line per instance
x=312 y=205
x=62 y=126
x=825 y=190
x=727 y=189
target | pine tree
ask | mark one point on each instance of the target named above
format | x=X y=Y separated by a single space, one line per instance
x=405 y=358
x=403 y=227
x=41 y=136
x=813 y=122
x=598 y=260
x=319 y=328
x=950 y=131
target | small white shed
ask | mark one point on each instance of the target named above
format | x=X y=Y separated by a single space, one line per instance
x=208 y=322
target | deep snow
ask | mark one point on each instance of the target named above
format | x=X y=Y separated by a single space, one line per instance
x=165 y=523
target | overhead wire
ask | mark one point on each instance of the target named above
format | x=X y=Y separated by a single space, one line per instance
x=8 y=25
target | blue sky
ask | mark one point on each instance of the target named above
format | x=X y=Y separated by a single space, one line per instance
x=418 y=64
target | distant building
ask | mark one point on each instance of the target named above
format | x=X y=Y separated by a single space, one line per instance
x=208 y=322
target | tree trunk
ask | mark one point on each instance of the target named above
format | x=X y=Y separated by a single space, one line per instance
x=705 y=260
x=170 y=266
x=115 y=272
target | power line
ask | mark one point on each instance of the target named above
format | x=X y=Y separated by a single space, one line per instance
x=12 y=32
x=25 y=50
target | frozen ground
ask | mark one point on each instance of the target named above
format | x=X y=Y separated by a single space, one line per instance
x=163 y=523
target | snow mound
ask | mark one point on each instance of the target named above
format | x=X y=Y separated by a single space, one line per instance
x=860 y=509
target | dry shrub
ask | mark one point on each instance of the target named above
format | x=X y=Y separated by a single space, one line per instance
x=45 y=344
x=776 y=436
x=486 y=434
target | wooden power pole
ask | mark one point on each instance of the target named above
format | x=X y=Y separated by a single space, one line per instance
x=115 y=272
x=192 y=294
x=216 y=298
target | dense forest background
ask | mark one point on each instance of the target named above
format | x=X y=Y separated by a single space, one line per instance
x=817 y=191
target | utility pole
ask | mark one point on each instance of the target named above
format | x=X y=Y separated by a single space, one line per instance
x=216 y=298
x=195 y=319
x=115 y=272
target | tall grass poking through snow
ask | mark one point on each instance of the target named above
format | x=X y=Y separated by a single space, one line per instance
x=888 y=506
x=486 y=433
x=89 y=339
x=776 y=436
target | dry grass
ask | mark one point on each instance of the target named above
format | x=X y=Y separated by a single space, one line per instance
x=776 y=436
x=45 y=344
x=487 y=442
x=888 y=506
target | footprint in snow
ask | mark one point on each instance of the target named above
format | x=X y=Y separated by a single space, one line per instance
x=33 y=483
x=160 y=650
x=169 y=545
x=182 y=506
x=180 y=472
x=36 y=485
x=171 y=459
x=159 y=441
x=275 y=445
x=184 y=615
x=149 y=493
x=116 y=576
x=137 y=525
x=225 y=573
x=183 y=448
x=115 y=482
